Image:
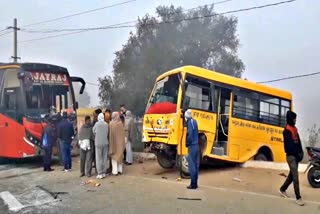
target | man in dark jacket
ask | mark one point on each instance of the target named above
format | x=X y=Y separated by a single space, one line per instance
x=65 y=135
x=193 y=149
x=293 y=149
x=49 y=138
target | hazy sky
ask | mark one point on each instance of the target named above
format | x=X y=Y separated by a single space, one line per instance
x=275 y=42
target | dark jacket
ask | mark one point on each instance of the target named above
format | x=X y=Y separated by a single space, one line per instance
x=292 y=142
x=192 y=132
x=51 y=134
x=291 y=147
x=65 y=131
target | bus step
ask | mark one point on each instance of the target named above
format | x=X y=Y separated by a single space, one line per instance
x=218 y=151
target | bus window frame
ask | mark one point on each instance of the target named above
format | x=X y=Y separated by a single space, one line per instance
x=233 y=89
x=260 y=94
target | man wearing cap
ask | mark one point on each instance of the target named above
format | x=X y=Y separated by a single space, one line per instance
x=193 y=149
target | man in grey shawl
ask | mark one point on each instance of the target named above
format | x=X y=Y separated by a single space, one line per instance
x=100 y=130
x=86 y=143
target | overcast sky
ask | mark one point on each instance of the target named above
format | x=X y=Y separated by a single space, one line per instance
x=275 y=42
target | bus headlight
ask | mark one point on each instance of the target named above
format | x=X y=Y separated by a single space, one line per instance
x=144 y=138
x=171 y=122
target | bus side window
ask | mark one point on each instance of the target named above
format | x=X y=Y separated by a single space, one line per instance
x=198 y=94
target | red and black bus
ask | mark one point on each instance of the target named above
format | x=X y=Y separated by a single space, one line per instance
x=28 y=93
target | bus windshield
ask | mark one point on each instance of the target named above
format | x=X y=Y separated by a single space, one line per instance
x=165 y=95
x=49 y=91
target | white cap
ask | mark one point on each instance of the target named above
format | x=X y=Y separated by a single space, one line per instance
x=188 y=114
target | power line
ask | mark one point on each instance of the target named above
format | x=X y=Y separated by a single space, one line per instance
x=10 y=31
x=77 y=32
x=291 y=77
x=107 y=27
x=80 y=13
x=90 y=83
x=164 y=22
x=4 y=29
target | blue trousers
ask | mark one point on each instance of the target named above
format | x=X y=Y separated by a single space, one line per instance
x=47 y=157
x=66 y=154
x=193 y=162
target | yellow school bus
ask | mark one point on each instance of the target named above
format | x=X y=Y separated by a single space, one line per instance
x=238 y=120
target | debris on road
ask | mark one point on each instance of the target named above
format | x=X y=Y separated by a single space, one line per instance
x=94 y=182
x=190 y=199
x=178 y=179
x=163 y=177
x=237 y=179
x=283 y=175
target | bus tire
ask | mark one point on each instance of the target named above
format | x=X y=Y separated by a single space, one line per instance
x=183 y=166
x=164 y=161
x=261 y=157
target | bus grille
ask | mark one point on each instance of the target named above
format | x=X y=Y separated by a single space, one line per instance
x=157 y=134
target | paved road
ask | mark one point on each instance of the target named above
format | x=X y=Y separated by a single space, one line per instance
x=146 y=188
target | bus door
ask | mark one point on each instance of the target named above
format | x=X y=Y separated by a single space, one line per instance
x=222 y=97
x=8 y=118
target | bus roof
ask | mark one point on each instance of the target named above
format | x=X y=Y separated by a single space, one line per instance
x=36 y=67
x=229 y=80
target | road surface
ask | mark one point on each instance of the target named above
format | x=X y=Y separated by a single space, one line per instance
x=146 y=188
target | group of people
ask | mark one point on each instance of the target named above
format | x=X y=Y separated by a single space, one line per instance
x=105 y=143
x=106 y=139
x=58 y=130
x=292 y=147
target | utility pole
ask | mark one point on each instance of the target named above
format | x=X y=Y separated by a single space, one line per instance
x=15 y=40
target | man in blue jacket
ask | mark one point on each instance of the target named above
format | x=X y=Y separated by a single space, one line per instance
x=66 y=134
x=193 y=149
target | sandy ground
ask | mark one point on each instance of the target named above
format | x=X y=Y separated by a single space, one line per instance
x=147 y=188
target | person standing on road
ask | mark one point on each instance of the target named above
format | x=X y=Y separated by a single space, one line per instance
x=193 y=149
x=100 y=130
x=66 y=134
x=95 y=119
x=117 y=143
x=107 y=119
x=129 y=138
x=86 y=143
x=49 y=138
x=294 y=151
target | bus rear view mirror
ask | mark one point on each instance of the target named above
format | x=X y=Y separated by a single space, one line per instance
x=79 y=79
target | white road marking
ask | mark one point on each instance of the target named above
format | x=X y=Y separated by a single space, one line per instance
x=11 y=201
x=224 y=189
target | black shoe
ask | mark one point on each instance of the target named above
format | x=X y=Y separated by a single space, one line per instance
x=119 y=173
x=50 y=170
x=81 y=175
x=191 y=187
x=45 y=169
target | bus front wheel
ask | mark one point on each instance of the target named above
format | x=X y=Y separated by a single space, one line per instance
x=164 y=161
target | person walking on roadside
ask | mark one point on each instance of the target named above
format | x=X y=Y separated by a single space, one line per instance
x=193 y=149
x=86 y=143
x=100 y=130
x=49 y=138
x=117 y=144
x=129 y=138
x=294 y=151
x=65 y=135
